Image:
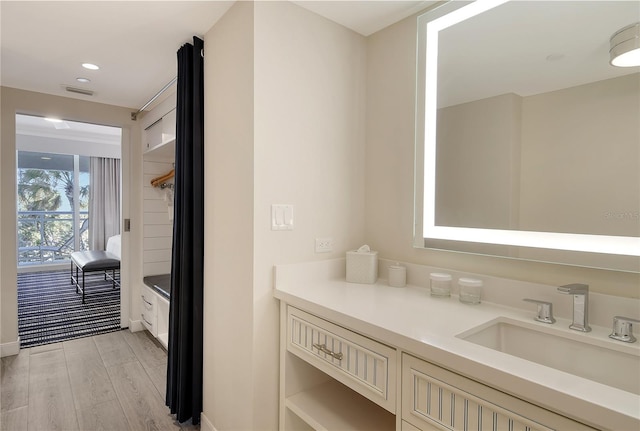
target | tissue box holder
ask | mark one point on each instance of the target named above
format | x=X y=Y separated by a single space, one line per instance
x=362 y=267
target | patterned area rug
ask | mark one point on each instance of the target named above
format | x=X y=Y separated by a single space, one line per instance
x=50 y=310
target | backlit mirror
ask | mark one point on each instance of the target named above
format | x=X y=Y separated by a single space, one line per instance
x=528 y=139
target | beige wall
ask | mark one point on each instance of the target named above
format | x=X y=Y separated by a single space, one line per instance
x=389 y=160
x=477 y=185
x=284 y=106
x=598 y=163
x=566 y=151
x=585 y=137
x=309 y=151
x=228 y=274
x=26 y=102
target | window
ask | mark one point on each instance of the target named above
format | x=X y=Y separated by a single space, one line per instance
x=53 y=197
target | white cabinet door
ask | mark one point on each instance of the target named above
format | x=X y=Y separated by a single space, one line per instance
x=153 y=135
x=162 y=320
x=161 y=132
x=169 y=126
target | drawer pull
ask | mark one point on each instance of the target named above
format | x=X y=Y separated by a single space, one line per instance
x=146 y=321
x=146 y=302
x=323 y=349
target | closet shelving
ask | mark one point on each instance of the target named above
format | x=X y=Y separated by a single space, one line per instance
x=160 y=137
x=158 y=154
x=164 y=150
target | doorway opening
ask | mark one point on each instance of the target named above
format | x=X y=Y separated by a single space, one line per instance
x=62 y=209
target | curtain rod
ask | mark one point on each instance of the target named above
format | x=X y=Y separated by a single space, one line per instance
x=134 y=115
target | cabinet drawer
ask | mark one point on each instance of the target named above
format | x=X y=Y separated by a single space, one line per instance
x=148 y=300
x=149 y=322
x=148 y=309
x=437 y=399
x=362 y=364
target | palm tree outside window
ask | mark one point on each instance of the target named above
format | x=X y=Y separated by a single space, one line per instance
x=52 y=199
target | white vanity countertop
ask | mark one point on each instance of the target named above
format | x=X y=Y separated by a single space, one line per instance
x=410 y=319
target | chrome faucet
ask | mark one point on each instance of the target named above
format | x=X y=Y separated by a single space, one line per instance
x=580 y=294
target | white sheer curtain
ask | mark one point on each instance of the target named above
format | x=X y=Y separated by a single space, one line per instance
x=104 y=201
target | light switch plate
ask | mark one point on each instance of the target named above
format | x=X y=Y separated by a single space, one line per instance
x=281 y=217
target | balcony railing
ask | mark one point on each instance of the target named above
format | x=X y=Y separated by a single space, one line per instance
x=48 y=236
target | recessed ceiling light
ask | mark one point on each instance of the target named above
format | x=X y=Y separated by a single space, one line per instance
x=83 y=80
x=57 y=123
x=90 y=66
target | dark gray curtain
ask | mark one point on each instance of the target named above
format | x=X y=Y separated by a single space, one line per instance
x=184 y=368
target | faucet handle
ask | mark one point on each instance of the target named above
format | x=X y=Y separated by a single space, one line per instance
x=574 y=288
x=545 y=310
x=623 y=329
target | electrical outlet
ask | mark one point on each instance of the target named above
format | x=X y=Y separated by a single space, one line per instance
x=324 y=245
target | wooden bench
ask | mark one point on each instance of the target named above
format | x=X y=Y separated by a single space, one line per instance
x=96 y=261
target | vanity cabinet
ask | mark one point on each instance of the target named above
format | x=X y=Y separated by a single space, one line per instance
x=366 y=366
x=162 y=320
x=154 y=314
x=149 y=310
x=332 y=377
x=406 y=426
x=434 y=398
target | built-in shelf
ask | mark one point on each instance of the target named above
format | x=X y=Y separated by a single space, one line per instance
x=164 y=150
x=333 y=406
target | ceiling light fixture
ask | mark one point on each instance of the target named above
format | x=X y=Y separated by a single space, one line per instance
x=58 y=123
x=90 y=66
x=45 y=158
x=625 y=46
x=83 y=80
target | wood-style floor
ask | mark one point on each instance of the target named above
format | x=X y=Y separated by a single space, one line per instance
x=114 y=381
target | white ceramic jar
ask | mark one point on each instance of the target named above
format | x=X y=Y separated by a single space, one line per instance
x=397 y=276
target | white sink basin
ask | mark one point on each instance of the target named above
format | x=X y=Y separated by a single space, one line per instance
x=609 y=362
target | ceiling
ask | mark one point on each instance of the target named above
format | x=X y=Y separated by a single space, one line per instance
x=48 y=135
x=530 y=47
x=44 y=43
x=28 y=125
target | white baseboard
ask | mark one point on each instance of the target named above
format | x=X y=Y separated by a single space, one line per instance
x=205 y=424
x=10 y=349
x=135 y=325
